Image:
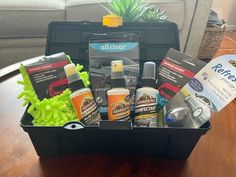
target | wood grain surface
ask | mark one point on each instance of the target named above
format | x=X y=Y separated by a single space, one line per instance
x=214 y=155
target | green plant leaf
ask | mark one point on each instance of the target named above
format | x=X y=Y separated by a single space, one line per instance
x=135 y=10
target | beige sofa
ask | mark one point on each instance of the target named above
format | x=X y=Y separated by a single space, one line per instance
x=23 y=28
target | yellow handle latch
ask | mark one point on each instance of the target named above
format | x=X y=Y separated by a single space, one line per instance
x=112 y=21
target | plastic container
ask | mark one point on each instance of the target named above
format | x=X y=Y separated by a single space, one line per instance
x=112 y=137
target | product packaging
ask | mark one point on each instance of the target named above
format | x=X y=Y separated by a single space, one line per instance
x=47 y=75
x=104 y=48
x=208 y=92
x=174 y=72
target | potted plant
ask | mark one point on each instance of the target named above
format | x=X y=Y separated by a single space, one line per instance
x=135 y=11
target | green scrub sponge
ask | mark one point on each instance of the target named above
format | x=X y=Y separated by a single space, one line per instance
x=55 y=111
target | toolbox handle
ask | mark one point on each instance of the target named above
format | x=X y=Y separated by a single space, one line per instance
x=73 y=125
x=115 y=125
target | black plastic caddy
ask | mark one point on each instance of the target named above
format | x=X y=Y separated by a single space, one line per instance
x=115 y=138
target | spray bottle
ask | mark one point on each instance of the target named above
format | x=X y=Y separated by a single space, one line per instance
x=118 y=96
x=82 y=98
x=147 y=98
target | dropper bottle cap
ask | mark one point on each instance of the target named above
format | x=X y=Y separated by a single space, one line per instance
x=117 y=74
x=117 y=69
x=73 y=77
x=149 y=74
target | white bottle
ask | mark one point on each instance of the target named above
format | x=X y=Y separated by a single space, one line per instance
x=147 y=98
x=118 y=96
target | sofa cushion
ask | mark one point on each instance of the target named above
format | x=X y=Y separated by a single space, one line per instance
x=31 y=4
x=81 y=10
x=27 y=18
x=90 y=10
x=70 y=3
x=15 y=50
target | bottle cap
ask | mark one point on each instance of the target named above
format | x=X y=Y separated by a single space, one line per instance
x=117 y=74
x=149 y=70
x=149 y=74
x=71 y=73
x=117 y=69
x=73 y=77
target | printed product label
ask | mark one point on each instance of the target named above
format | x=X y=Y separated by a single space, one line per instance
x=86 y=108
x=48 y=76
x=211 y=89
x=174 y=72
x=114 y=47
x=146 y=105
x=118 y=107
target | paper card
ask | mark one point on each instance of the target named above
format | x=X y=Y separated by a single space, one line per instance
x=174 y=72
x=208 y=92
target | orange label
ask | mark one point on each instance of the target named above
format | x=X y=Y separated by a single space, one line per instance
x=86 y=108
x=118 y=107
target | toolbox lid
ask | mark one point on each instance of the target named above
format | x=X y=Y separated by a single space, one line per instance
x=156 y=39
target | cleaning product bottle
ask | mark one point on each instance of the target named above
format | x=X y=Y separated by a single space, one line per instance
x=147 y=98
x=118 y=96
x=82 y=98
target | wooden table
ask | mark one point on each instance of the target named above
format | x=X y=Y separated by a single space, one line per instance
x=214 y=155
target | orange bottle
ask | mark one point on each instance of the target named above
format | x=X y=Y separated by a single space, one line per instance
x=82 y=98
x=118 y=96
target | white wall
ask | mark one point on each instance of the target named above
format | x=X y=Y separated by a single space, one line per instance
x=226 y=9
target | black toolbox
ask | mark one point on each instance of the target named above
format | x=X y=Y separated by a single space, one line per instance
x=114 y=138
